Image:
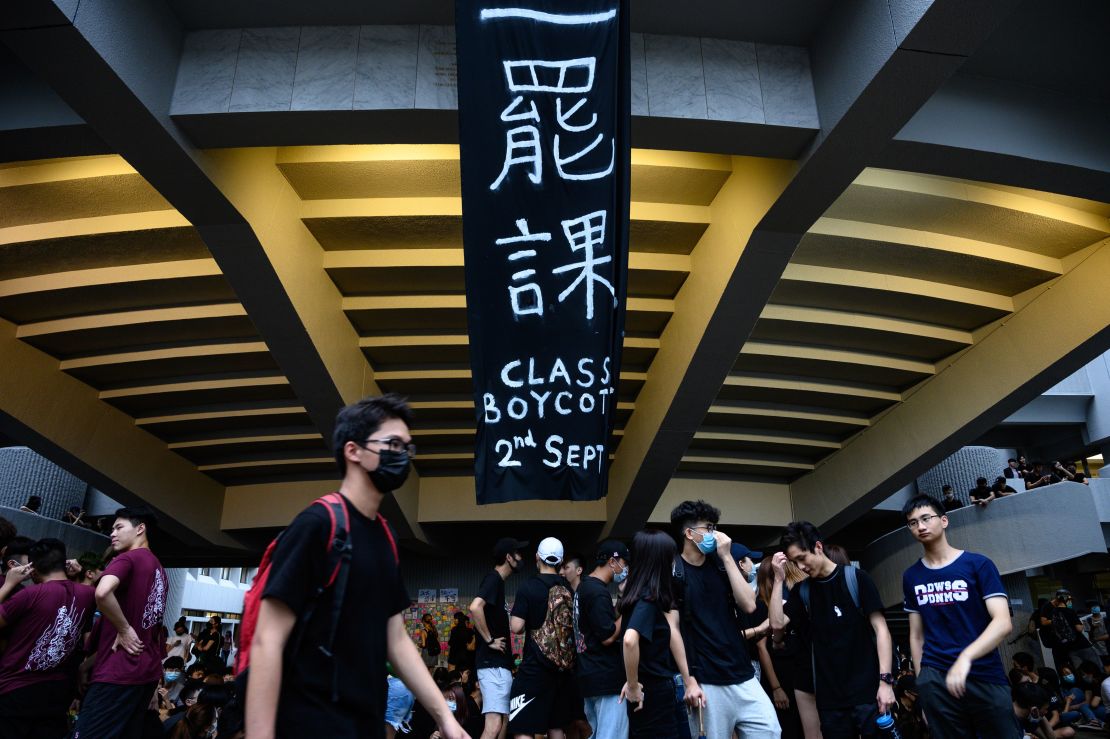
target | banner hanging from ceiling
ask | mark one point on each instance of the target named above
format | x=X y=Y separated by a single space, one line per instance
x=544 y=131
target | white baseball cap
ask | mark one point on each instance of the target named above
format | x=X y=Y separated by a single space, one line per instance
x=551 y=551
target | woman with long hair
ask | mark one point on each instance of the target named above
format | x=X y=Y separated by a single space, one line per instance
x=429 y=640
x=649 y=623
x=779 y=664
x=800 y=667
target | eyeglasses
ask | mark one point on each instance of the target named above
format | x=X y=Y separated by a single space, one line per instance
x=394 y=444
x=926 y=520
x=710 y=527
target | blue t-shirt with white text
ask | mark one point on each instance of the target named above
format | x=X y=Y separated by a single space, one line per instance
x=951 y=601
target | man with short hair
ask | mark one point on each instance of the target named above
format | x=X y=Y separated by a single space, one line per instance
x=489 y=614
x=981 y=495
x=959 y=614
x=325 y=689
x=600 y=667
x=852 y=651
x=1038 y=478
x=950 y=501
x=131 y=597
x=1030 y=712
x=571 y=570
x=44 y=627
x=711 y=590
x=540 y=699
x=1011 y=470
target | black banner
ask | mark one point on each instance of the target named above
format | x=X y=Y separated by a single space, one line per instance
x=544 y=132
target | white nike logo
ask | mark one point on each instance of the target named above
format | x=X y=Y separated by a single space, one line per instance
x=518 y=705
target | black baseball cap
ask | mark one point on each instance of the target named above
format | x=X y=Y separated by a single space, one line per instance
x=611 y=548
x=508 y=545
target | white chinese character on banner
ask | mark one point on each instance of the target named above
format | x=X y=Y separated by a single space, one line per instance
x=525 y=299
x=584 y=234
x=522 y=143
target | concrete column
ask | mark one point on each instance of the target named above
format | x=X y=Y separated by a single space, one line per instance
x=1022 y=605
x=961 y=470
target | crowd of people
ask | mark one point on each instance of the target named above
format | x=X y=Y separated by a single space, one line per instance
x=1032 y=476
x=84 y=652
x=703 y=637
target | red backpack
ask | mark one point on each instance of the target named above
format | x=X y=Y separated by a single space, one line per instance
x=339 y=561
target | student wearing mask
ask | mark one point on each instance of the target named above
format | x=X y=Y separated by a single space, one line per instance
x=711 y=591
x=599 y=667
x=313 y=692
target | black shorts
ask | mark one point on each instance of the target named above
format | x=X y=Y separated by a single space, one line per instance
x=658 y=718
x=111 y=711
x=36 y=711
x=541 y=699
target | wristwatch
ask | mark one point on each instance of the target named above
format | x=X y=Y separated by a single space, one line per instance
x=887 y=678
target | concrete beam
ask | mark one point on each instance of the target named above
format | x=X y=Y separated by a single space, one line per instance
x=128 y=53
x=64 y=420
x=870 y=78
x=968 y=397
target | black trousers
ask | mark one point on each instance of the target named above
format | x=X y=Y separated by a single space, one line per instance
x=112 y=711
x=985 y=710
x=36 y=711
x=656 y=720
x=849 y=723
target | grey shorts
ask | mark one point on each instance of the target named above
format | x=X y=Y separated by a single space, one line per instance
x=496 y=684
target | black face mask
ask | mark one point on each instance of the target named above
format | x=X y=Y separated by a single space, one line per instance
x=393 y=470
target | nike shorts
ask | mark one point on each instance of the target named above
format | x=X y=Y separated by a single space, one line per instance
x=541 y=699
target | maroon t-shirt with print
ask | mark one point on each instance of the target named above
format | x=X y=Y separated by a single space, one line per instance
x=44 y=623
x=142 y=598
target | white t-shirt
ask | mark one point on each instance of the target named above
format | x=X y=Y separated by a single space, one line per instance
x=182 y=646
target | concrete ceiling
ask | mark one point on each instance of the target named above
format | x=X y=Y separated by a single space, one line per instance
x=791 y=22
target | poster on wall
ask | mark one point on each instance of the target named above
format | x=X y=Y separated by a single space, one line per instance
x=544 y=118
x=449 y=595
x=426 y=596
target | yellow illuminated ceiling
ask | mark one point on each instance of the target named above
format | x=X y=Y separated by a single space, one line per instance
x=902 y=273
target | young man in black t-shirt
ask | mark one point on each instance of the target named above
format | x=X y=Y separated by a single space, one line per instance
x=712 y=589
x=490 y=615
x=600 y=667
x=306 y=693
x=851 y=643
x=539 y=703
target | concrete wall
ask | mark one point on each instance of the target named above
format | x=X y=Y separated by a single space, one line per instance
x=1019 y=532
x=961 y=470
x=384 y=67
x=77 y=539
x=24 y=473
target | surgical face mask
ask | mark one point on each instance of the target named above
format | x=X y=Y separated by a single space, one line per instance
x=708 y=543
x=1096 y=610
x=1069 y=679
x=618 y=577
x=393 y=470
x=172 y=676
x=452 y=706
x=1071 y=604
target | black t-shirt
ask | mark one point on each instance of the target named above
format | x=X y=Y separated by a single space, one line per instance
x=375 y=593
x=492 y=591
x=650 y=623
x=978 y=493
x=845 y=658
x=753 y=620
x=951 y=505
x=1076 y=640
x=531 y=605
x=600 y=668
x=710 y=628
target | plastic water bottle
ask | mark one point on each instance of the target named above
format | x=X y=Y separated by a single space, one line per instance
x=885 y=723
